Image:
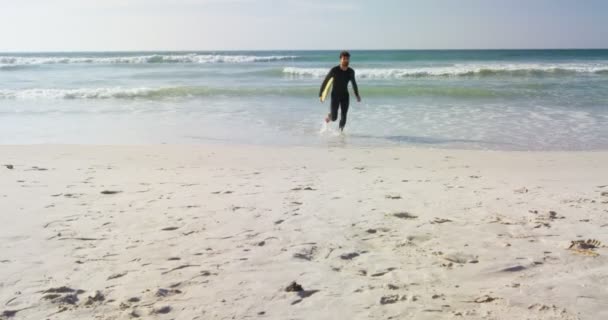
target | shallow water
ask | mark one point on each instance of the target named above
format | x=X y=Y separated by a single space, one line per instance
x=496 y=99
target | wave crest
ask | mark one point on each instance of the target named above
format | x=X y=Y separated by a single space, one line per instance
x=187 y=92
x=82 y=93
x=461 y=70
x=7 y=61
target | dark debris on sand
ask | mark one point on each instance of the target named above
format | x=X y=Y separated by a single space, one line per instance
x=62 y=295
x=404 y=215
x=63 y=289
x=166 y=292
x=98 y=297
x=110 y=192
x=162 y=310
x=8 y=314
x=389 y=299
x=294 y=287
x=349 y=256
x=117 y=275
x=68 y=299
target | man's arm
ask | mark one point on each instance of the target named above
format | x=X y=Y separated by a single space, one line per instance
x=327 y=77
x=355 y=87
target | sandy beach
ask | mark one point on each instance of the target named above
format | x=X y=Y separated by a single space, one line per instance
x=220 y=232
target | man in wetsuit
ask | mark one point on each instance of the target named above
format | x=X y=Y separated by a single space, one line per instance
x=342 y=74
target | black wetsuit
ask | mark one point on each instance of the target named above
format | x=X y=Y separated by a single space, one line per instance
x=339 y=92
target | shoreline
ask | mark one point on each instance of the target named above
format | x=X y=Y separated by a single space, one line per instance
x=326 y=145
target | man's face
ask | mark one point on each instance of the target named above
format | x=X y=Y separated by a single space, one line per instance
x=344 y=60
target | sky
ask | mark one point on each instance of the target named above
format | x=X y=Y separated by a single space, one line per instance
x=125 y=25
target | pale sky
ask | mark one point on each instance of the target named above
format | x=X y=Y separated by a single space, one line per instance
x=122 y=25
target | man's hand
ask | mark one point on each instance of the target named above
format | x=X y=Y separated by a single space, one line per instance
x=358 y=98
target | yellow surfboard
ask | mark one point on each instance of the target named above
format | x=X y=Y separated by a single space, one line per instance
x=330 y=82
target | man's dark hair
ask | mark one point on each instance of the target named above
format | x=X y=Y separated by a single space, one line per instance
x=344 y=54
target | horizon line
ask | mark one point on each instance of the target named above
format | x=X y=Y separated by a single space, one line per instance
x=268 y=50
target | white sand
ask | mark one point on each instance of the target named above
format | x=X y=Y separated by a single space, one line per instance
x=250 y=220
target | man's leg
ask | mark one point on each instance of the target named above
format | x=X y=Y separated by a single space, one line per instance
x=333 y=111
x=344 y=102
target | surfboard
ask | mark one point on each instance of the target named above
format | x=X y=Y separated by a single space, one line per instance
x=330 y=82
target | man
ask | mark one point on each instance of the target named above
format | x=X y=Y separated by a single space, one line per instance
x=342 y=74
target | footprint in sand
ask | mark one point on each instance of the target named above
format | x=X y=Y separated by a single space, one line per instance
x=110 y=192
x=35 y=168
x=96 y=299
x=391 y=286
x=404 y=215
x=462 y=258
x=413 y=240
x=306 y=253
x=383 y=272
x=349 y=256
x=484 y=299
x=62 y=295
x=389 y=299
x=161 y=310
x=394 y=298
x=303 y=188
x=8 y=314
x=521 y=190
x=167 y=292
x=117 y=275
x=129 y=303
x=440 y=221
x=515 y=268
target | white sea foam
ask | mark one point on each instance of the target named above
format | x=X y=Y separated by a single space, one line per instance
x=81 y=93
x=461 y=70
x=8 y=61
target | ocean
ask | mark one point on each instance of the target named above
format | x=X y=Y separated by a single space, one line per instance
x=471 y=99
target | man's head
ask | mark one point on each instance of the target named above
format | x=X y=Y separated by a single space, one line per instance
x=344 y=59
